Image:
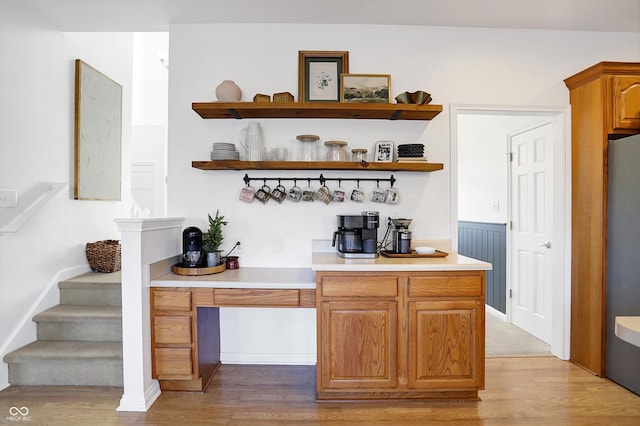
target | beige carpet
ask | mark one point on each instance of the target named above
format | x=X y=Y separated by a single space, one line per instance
x=505 y=339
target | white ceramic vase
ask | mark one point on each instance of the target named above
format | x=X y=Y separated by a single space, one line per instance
x=228 y=91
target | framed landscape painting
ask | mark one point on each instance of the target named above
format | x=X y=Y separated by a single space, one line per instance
x=369 y=88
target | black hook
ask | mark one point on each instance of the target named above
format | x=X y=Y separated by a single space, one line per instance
x=246 y=179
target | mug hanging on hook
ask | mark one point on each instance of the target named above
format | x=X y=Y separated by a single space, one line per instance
x=357 y=194
x=377 y=195
x=338 y=194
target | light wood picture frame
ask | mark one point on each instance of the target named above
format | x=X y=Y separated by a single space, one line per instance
x=365 y=88
x=97 y=135
x=319 y=75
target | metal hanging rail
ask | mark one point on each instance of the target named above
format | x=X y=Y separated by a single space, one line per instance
x=322 y=179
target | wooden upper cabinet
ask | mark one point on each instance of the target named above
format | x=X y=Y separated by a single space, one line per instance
x=626 y=102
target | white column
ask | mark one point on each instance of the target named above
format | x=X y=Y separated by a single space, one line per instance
x=144 y=241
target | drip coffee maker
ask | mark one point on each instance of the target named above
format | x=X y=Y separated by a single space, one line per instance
x=357 y=235
x=401 y=236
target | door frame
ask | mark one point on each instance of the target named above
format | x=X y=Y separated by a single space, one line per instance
x=560 y=116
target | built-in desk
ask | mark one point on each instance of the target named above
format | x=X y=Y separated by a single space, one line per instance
x=185 y=319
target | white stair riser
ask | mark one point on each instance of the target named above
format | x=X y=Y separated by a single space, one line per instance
x=87 y=331
x=93 y=372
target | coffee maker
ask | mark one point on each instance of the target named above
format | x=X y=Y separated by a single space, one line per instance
x=357 y=235
x=192 y=253
x=401 y=236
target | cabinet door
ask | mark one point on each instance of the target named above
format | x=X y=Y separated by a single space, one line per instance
x=626 y=102
x=446 y=345
x=358 y=345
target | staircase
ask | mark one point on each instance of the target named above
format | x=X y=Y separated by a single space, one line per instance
x=79 y=341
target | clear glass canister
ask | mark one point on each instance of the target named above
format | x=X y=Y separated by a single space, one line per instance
x=307 y=147
x=359 y=154
x=336 y=150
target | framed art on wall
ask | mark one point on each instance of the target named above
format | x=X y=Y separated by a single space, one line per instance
x=319 y=75
x=98 y=135
x=368 y=88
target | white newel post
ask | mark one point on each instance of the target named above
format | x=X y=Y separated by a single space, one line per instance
x=144 y=241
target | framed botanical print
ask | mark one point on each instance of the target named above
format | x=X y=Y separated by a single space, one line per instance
x=319 y=75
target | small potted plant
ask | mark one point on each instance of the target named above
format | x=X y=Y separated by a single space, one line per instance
x=213 y=239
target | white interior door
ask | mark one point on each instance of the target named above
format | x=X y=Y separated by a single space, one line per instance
x=532 y=230
x=143 y=188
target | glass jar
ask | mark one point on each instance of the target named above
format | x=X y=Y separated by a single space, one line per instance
x=307 y=147
x=336 y=150
x=359 y=154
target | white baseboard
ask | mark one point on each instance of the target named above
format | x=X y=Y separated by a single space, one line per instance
x=496 y=313
x=143 y=402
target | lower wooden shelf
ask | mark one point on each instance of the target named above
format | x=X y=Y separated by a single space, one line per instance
x=421 y=166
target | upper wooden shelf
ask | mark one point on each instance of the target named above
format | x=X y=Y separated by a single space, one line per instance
x=254 y=110
x=316 y=165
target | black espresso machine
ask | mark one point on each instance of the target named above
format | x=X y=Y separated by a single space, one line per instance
x=357 y=235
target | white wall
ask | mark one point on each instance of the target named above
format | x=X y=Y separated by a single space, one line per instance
x=36 y=145
x=456 y=65
x=483 y=164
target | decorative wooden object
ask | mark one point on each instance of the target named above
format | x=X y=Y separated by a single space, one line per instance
x=177 y=269
x=605 y=100
x=282 y=97
x=261 y=98
x=409 y=335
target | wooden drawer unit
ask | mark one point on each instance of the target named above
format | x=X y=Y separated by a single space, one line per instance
x=173 y=363
x=256 y=298
x=446 y=285
x=172 y=330
x=172 y=300
x=359 y=286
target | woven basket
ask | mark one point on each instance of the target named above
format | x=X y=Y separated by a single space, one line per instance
x=104 y=256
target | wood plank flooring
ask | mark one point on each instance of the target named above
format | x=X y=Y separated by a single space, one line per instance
x=519 y=391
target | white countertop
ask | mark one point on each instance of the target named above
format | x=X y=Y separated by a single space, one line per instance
x=305 y=278
x=628 y=329
x=280 y=278
x=327 y=261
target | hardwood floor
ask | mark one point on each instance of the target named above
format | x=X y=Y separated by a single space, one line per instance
x=519 y=391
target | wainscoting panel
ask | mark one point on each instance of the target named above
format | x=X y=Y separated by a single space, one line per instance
x=487 y=242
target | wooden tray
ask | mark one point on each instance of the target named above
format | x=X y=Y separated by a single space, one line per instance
x=413 y=253
x=177 y=269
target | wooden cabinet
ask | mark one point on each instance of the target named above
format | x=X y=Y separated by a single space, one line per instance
x=181 y=359
x=400 y=334
x=605 y=101
x=185 y=329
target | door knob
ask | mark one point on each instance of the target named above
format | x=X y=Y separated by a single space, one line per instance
x=546 y=244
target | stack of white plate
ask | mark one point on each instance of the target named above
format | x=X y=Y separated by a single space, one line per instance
x=224 y=151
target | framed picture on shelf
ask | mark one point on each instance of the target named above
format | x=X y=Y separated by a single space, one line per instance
x=319 y=75
x=383 y=152
x=367 y=88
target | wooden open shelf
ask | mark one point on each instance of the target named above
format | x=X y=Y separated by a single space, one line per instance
x=316 y=165
x=255 y=110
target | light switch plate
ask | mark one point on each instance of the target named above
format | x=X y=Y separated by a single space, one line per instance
x=8 y=198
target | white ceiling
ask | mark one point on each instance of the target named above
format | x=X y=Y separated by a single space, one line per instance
x=157 y=15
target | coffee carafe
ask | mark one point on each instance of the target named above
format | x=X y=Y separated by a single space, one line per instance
x=401 y=236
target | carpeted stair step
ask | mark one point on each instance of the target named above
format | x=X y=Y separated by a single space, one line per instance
x=66 y=363
x=92 y=288
x=80 y=323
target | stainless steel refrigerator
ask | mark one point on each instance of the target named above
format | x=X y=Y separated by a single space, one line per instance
x=622 y=359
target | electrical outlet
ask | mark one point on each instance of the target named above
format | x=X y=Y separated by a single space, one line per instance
x=8 y=198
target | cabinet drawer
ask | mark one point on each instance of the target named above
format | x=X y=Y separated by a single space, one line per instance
x=173 y=363
x=172 y=300
x=244 y=297
x=359 y=286
x=172 y=330
x=445 y=285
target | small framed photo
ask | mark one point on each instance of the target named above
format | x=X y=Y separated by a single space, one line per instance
x=319 y=75
x=369 y=88
x=383 y=152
